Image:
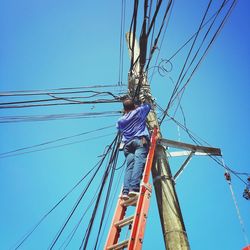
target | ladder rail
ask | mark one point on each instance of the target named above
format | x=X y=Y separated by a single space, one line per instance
x=142 y=205
x=150 y=157
x=114 y=233
x=135 y=241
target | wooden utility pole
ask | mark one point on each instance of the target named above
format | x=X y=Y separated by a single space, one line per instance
x=173 y=228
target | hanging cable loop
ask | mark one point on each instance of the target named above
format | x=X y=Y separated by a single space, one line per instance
x=228 y=178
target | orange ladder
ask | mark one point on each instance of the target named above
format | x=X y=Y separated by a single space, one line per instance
x=138 y=220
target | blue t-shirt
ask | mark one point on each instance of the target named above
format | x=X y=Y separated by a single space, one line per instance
x=133 y=124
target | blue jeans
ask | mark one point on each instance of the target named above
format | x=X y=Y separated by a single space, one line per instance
x=136 y=153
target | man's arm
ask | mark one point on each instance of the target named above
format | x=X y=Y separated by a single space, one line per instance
x=145 y=108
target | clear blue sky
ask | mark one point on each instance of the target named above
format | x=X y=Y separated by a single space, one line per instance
x=53 y=44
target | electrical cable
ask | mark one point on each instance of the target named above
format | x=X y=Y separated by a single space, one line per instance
x=154 y=17
x=159 y=33
x=99 y=101
x=143 y=40
x=45 y=91
x=40 y=93
x=39 y=118
x=171 y=57
x=216 y=159
x=204 y=38
x=121 y=51
x=56 y=140
x=112 y=201
x=28 y=234
x=69 y=99
x=113 y=164
x=209 y=45
x=243 y=229
x=173 y=96
x=73 y=232
x=113 y=160
x=186 y=60
x=81 y=196
x=159 y=49
x=133 y=25
x=58 y=146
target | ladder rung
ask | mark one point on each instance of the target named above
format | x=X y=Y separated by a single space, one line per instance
x=130 y=202
x=119 y=245
x=125 y=222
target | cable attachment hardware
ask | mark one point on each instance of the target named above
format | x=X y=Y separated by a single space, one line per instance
x=246 y=193
x=227 y=176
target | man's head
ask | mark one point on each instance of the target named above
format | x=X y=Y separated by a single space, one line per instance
x=128 y=105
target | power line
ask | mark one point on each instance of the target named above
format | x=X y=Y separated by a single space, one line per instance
x=184 y=65
x=144 y=37
x=197 y=141
x=45 y=91
x=30 y=232
x=54 y=141
x=175 y=93
x=204 y=38
x=99 y=101
x=133 y=26
x=39 y=118
x=82 y=195
x=58 y=146
x=110 y=167
x=113 y=199
x=72 y=99
x=39 y=93
x=190 y=39
x=122 y=32
x=153 y=47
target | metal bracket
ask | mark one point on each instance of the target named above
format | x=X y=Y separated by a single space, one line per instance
x=183 y=166
x=190 y=147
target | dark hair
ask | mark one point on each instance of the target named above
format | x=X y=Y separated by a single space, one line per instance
x=128 y=105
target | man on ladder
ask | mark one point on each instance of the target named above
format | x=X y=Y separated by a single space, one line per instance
x=139 y=153
x=135 y=137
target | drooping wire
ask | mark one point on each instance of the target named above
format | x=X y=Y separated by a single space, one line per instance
x=113 y=163
x=144 y=37
x=69 y=100
x=31 y=231
x=154 y=17
x=54 y=141
x=110 y=167
x=209 y=45
x=73 y=232
x=46 y=91
x=243 y=229
x=39 y=118
x=58 y=146
x=133 y=26
x=122 y=35
x=178 y=50
x=59 y=233
x=181 y=91
x=186 y=60
x=113 y=199
x=197 y=141
x=164 y=23
x=153 y=29
x=99 y=101
x=190 y=39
